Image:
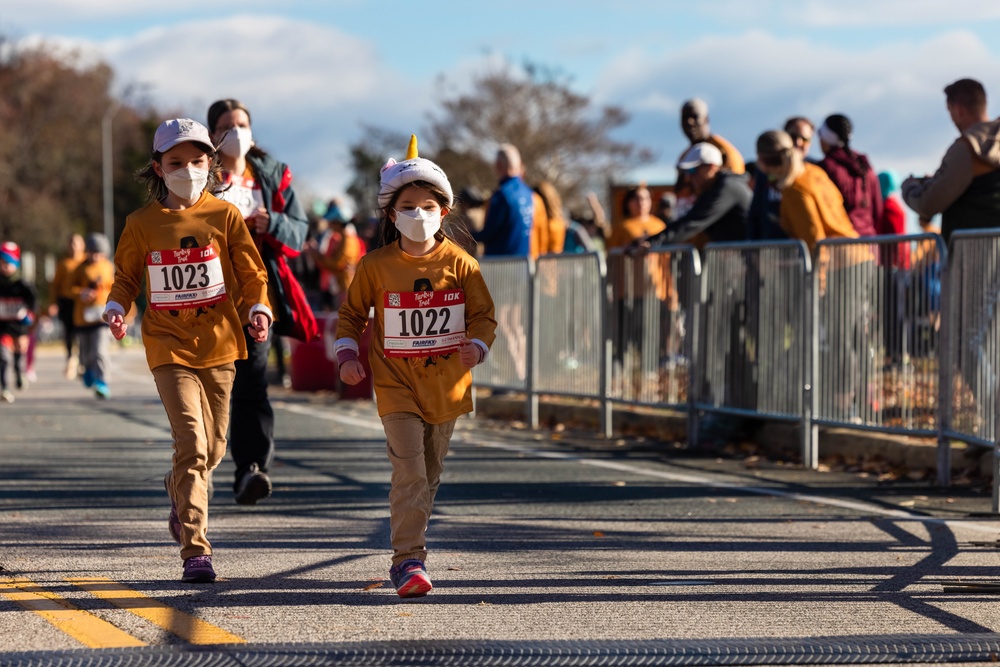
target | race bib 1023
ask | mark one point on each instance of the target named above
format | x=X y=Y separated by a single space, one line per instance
x=185 y=278
x=423 y=324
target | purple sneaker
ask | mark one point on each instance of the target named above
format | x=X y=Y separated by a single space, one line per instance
x=173 y=521
x=410 y=579
x=198 y=570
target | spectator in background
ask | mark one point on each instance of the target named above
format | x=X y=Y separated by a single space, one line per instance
x=852 y=173
x=695 y=125
x=507 y=230
x=893 y=219
x=801 y=130
x=722 y=200
x=812 y=209
x=895 y=259
x=62 y=298
x=638 y=223
x=965 y=189
x=667 y=207
x=318 y=248
x=548 y=230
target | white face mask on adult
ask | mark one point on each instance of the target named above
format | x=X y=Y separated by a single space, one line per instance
x=186 y=183
x=236 y=142
x=418 y=225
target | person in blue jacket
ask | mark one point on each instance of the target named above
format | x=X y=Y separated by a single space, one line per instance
x=507 y=230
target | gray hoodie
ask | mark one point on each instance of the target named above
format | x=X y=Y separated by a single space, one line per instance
x=966 y=187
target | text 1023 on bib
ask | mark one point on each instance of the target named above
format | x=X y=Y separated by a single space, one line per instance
x=423 y=324
x=186 y=278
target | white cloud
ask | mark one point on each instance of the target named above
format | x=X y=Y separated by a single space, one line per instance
x=308 y=86
x=857 y=13
x=753 y=82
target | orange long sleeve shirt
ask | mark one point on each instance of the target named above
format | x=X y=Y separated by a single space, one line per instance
x=196 y=337
x=437 y=388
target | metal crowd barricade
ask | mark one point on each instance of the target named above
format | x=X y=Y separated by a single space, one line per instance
x=652 y=319
x=754 y=334
x=971 y=352
x=570 y=329
x=876 y=340
x=509 y=365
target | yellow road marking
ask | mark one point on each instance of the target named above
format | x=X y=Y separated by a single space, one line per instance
x=185 y=626
x=81 y=625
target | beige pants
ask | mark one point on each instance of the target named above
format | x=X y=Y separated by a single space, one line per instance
x=416 y=450
x=197 y=405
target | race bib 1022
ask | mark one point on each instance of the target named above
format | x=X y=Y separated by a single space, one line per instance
x=185 y=278
x=423 y=324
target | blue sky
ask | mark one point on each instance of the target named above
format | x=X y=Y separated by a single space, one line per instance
x=313 y=71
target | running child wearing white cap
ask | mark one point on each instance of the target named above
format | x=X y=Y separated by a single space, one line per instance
x=204 y=282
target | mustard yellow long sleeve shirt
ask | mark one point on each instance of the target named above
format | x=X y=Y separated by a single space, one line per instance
x=98 y=276
x=61 y=280
x=437 y=388
x=198 y=337
x=812 y=208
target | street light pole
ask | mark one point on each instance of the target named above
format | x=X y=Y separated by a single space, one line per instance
x=108 y=174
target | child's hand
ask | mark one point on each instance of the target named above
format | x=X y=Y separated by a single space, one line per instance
x=259 y=324
x=469 y=353
x=116 y=321
x=352 y=372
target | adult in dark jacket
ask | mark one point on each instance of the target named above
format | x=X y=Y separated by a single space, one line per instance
x=852 y=173
x=722 y=200
x=260 y=187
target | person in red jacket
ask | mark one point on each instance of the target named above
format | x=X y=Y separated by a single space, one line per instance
x=852 y=173
x=895 y=259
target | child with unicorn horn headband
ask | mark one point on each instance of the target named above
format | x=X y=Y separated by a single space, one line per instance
x=434 y=321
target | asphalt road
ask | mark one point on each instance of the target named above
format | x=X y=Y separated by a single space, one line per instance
x=541 y=542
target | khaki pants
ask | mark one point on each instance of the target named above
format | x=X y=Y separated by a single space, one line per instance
x=197 y=404
x=416 y=450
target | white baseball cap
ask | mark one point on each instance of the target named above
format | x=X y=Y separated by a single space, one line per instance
x=699 y=154
x=179 y=130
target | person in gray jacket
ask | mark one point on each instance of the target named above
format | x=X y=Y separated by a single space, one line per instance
x=965 y=190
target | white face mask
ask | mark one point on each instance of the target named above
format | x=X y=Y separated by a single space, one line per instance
x=418 y=225
x=236 y=142
x=187 y=183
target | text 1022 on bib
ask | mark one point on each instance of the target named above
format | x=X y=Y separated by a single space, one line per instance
x=186 y=278
x=423 y=324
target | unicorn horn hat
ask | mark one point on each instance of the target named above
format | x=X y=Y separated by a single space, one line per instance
x=395 y=175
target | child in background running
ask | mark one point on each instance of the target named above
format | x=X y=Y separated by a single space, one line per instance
x=205 y=282
x=90 y=284
x=434 y=321
x=17 y=315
